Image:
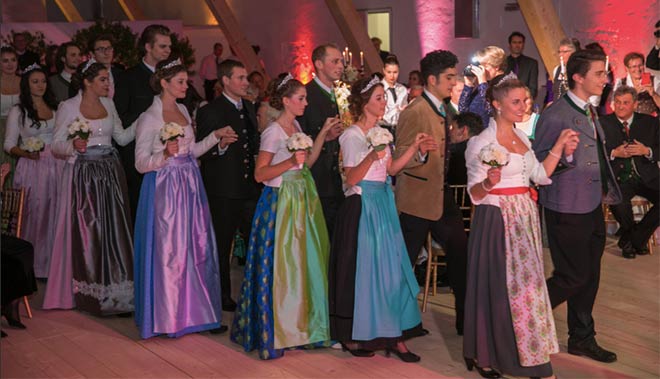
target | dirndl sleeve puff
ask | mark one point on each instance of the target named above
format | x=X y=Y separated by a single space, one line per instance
x=353 y=149
x=14 y=124
x=270 y=139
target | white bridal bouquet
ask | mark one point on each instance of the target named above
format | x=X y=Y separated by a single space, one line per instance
x=79 y=129
x=170 y=132
x=494 y=155
x=378 y=138
x=299 y=141
x=33 y=145
x=342 y=92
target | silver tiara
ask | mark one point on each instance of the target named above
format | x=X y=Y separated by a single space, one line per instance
x=88 y=64
x=510 y=76
x=176 y=62
x=33 y=66
x=371 y=83
x=284 y=81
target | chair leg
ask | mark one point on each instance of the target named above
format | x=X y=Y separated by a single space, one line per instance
x=231 y=249
x=427 y=279
x=27 y=306
x=435 y=276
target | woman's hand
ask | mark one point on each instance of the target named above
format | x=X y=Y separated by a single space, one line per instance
x=377 y=155
x=80 y=145
x=332 y=128
x=493 y=177
x=171 y=148
x=568 y=140
x=480 y=73
x=299 y=157
x=226 y=135
x=34 y=155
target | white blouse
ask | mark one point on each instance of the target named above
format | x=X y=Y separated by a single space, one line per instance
x=103 y=130
x=354 y=148
x=273 y=140
x=19 y=125
x=518 y=173
x=6 y=102
x=149 y=149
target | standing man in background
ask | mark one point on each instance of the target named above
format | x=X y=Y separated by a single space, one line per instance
x=208 y=70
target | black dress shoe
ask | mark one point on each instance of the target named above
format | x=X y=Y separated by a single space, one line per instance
x=425 y=331
x=220 y=330
x=406 y=356
x=642 y=251
x=362 y=353
x=592 y=350
x=627 y=249
x=3 y=334
x=228 y=305
x=485 y=373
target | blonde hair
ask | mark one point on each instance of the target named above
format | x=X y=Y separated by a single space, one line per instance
x=493 y=56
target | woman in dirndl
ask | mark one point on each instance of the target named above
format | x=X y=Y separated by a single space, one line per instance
x=509 y=327
x=283 y=301
x=91 y=267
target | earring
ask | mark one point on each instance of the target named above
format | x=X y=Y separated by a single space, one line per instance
x=499 y=111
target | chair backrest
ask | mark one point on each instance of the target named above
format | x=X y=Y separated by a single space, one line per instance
x=462 y=198
x=12 y=211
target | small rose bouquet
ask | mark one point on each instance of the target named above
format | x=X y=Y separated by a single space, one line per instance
x=170 y=132
x=342 y=92
x=79 y=129
x=378 y=138
x=494 y=155
x=33 y=145
x=299 y=141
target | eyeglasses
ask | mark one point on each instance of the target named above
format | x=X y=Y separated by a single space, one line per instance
x=636 y=66
x=108 y=49
x=565 y=51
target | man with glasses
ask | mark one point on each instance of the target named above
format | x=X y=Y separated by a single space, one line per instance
x=102 y=50
x=646 y=85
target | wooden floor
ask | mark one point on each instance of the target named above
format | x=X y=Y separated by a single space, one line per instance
x=69 y=344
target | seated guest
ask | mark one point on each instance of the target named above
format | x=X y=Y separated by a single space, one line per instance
x=633 y=142
x=648 y=90
x=68 y=59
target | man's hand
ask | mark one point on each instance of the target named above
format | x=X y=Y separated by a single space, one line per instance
x=227 y=136
x=637 y=148
x=620 y=152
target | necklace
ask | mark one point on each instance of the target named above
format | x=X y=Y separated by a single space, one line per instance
x=513 y=142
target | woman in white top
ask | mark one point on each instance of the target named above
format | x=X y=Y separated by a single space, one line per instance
x=283 y=301
x=91 y=266
x=373 y=291
x=509 y=326
x=397 y=93
x=177 y=279
x=9 y=96
x=38 y=172
x=528 y=123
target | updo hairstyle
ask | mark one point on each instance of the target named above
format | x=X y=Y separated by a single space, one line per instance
x=94 y=69
x=499 y=90
x=165 y=73
x=277 y=92
x=357 y=100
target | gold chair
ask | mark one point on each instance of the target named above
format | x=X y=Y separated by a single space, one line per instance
x=12 y=221
x=640 y=206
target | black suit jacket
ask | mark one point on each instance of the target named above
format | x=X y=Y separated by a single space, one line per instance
x=644 y=129
x=326 y=169
x=528 y=72
x=231 y=174
x=117 y=71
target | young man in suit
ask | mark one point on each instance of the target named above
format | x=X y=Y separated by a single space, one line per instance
x=228 y=170
x=102 y=50
x=322 y=106
x=526 y=68
x=422 y=193
x=632 y=140
x=68 y=59
x=572 y=203
x=133 y=95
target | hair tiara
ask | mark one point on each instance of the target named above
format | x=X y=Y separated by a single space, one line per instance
x=374 y=80
x=176 y=62
x=32 y=67
x=284 y=81
x=510 y=76
x=87 y=65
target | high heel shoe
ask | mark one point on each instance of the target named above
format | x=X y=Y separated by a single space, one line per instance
x=362 y=353
x=12 y=315
x=406 y=356
x=485 y=373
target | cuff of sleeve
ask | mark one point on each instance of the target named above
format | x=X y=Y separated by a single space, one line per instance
x=649 y=156
x=221 y=151
x=422 y=157
x=569 y=158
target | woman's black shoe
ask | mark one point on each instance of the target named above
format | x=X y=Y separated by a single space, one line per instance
x=11 y=314
x=488 y=374
x=407 y=356
x=3 y=334
x=362 y=353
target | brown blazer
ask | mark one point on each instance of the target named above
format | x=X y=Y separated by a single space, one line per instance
x=420 y=185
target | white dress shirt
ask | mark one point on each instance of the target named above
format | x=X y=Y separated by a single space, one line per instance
x=394 y=108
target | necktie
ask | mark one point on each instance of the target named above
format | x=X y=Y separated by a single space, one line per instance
x=442 y=111
x=239 y=105
x=630 y=163
x=516 y=65
x=590 y=116
x=393 y=92
x=627 y=130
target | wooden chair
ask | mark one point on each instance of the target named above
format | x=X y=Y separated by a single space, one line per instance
x=12 y=221
x=640 y=207
x=435 y=254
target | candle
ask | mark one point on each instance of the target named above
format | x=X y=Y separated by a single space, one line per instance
x=350 y=58
x=361 y=59
x=343 y=54
x=607 y=63
x=563 y=66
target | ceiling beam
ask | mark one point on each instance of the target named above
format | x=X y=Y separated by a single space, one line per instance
x=237 y=40
x=132 y=9
x=69 y=10
x=543 y=22
x=355 y=33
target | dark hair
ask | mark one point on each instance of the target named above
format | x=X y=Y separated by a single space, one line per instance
x=226 y=68
x=470 y=120
x=78 y=79
x=276 y=92
x=26 y=105
x=256 y=49
x=320 y=52
x=217 y=44
x=148 y=36
x=418 y=74
x=595 y=46
x=497 y=91
x=253 y=74
x=436 y=62
x=657 y=24
x=624 y=90
x=101 y=37
x=357 y=100
x=516 y=34
x=165 y=73
x=8 y=50
x=631 y=56
x=580 y=62
x=390 y=59
x=61 y=53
